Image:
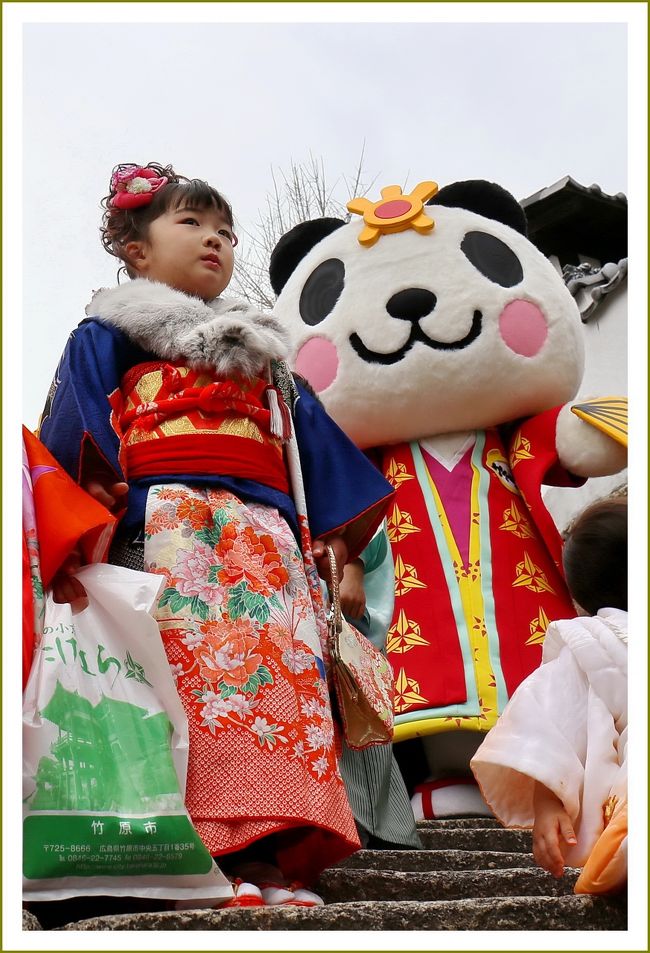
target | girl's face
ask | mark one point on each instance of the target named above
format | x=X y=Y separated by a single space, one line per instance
x=188 y=249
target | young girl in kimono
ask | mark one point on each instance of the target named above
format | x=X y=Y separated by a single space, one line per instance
x=556 y=760
x=172 y=406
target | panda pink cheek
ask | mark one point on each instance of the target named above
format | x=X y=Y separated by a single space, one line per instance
x=523 y=327
x=318 y=361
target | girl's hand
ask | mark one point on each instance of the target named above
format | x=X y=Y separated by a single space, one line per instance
x=110 y=495
x=353 y=594
x=322 y=559
x=65 y=586
x=552 y=831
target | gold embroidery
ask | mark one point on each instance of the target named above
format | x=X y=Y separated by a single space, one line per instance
x=403 y=636
x=407 y=692
x=531 y=576
x=397 y=473
x=520 y=451
x=136 y=435
x=406 y=577
x=538 y=628
x=400 y=525
x=240 y=427
x=148 y=386
x=177 y=425
x=515 y=522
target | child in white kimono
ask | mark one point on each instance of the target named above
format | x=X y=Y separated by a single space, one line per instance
x=556 y=759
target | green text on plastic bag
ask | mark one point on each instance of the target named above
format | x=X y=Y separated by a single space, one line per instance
x=65 y=845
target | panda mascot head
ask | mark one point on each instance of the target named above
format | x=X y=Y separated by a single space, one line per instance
x=430 y=313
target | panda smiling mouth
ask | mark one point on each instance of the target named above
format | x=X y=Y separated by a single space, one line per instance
x=416 y=335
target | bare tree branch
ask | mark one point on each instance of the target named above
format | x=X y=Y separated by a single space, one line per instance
x=300 y=194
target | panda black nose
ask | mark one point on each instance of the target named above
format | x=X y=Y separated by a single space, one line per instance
x=412 y=304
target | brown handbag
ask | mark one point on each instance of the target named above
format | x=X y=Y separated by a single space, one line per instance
x=363 y=679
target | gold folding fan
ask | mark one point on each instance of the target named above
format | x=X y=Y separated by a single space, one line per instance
x=608 y=414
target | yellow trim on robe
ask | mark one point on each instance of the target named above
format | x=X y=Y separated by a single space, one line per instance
x=469 y=583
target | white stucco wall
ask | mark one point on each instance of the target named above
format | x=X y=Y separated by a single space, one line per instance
x=605 y=376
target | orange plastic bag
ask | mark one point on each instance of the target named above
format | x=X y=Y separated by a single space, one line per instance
x=606 y=868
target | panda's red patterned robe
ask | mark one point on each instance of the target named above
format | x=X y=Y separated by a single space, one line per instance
x=477 y=580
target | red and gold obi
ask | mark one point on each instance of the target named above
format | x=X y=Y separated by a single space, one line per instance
x=174 y=420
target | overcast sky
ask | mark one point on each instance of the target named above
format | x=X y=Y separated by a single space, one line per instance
x=522 y=104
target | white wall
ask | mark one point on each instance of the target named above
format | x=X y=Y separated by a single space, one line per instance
x=605 y=376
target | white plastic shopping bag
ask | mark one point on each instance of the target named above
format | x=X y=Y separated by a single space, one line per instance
x=105 y=754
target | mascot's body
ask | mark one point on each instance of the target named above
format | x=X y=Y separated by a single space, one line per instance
x=440 y=339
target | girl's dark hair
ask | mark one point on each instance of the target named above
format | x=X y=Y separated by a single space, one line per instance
x=595 y=557
x=121 y=226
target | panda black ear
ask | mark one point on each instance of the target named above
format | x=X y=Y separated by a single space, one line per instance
x=484 y=198
x=294 y=245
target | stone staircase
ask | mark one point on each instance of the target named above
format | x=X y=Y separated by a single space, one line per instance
x=471 y=875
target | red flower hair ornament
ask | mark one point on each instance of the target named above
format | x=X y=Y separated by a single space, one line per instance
x=134 y=186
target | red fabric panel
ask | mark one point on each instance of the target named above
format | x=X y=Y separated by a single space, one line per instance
x=438 y=666
x=66 y=517
x=541 y=467
x=210 y=453
x=65 y=514
x=525 y=579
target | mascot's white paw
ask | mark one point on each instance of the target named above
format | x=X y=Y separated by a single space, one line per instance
x=584 y=450
x=448 y=797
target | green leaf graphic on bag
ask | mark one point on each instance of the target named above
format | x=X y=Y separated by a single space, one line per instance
x=135 y=670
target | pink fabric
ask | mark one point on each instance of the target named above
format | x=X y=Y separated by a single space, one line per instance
x=454 y=487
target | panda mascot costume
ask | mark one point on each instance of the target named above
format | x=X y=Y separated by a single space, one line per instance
x=448 y=347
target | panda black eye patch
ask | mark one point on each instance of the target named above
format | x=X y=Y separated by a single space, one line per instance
x=321 y=291
x=492 y=258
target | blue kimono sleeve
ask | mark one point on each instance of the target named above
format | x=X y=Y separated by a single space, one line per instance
x=345 y=492
x=77 y=415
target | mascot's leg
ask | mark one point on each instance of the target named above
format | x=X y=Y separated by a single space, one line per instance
x=438 y=775
x=378 y=798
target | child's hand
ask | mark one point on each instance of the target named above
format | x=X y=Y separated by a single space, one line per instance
x=353 y=594
x=110 y=495
x=322 y=559
x=65 y=587
x=552 y=830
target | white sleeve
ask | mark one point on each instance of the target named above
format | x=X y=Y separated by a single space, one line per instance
x=541 y=736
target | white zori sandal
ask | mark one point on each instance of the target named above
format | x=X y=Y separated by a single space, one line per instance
x=246 y=895
x=275 y=895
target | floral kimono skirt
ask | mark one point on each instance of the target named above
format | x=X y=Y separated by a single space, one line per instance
x=243 y=631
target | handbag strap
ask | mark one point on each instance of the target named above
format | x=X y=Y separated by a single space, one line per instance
x=335 y=598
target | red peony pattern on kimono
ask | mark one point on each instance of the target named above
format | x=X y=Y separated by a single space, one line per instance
x=244 y=633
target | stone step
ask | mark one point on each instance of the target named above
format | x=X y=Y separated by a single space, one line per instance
x=30 y=922
x=338 y=886
x=477 y=839
x=473 y=822
x=506 y=913
x=435 y=860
